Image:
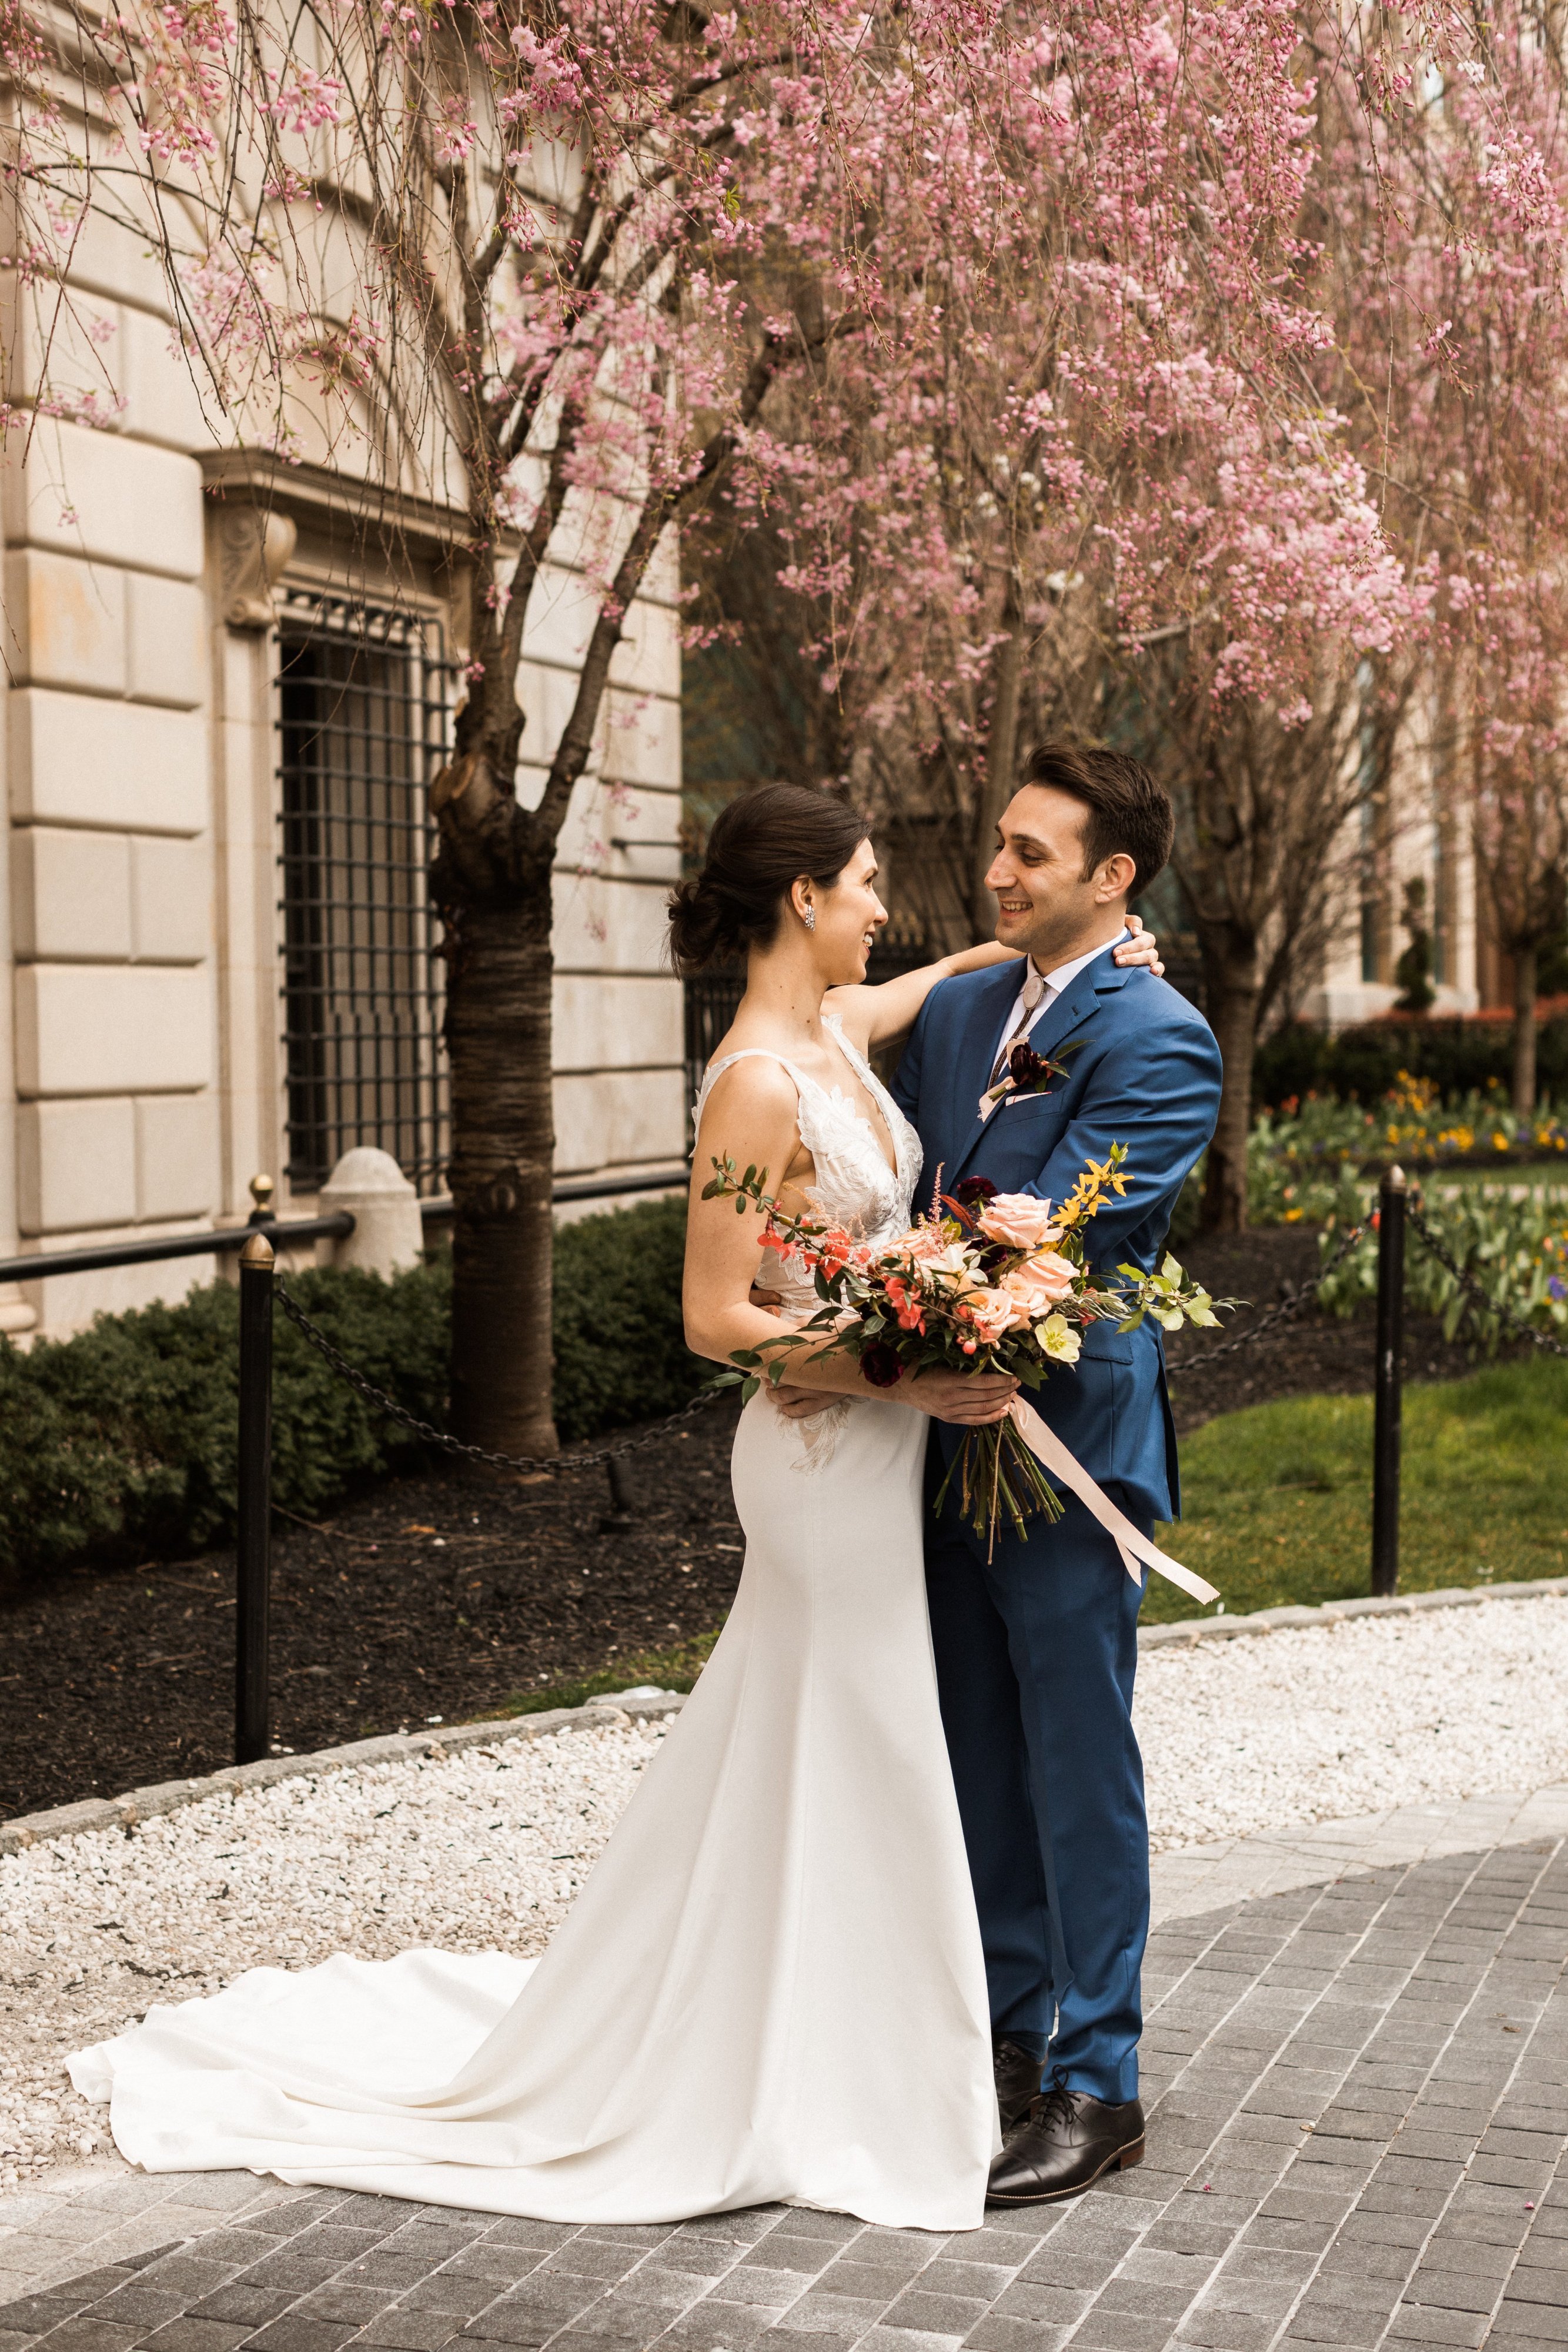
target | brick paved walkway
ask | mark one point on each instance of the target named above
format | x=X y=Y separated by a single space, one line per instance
x=1360 y=2104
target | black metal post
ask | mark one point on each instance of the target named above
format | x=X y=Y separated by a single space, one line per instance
x=1387 y=1408
x=254 y=1547
x=622 y=1516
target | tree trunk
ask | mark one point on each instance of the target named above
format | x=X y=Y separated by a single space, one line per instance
x=1002 y=761
x=1525 y=984
x=498 y=1043
x=1233 y=988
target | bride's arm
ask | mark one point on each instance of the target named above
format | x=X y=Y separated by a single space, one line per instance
x=872 y=1015
x=875 y=1016
x=751 y=1117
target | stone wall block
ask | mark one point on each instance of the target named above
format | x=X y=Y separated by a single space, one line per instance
x=71 y=349
x=70 y=895
x=389 y=1232
x=643 y=744
x=100 y=495
x=602 y=924
x=648 y=656
x=177 y=1155
x=76 y=758
x=166 y=648
x=561 y=617
x=617 y=1117
x=134 y=1028
x=662 y=579
x=76 y=1165
x=171 y=899
x=604 y=1022
x=64 y=622
x=162 y=402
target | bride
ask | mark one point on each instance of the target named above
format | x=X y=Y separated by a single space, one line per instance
x=772 y=1987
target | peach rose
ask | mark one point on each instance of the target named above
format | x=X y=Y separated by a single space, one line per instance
x=1019 y=1221
x=1040 y=1281
x=921 y=1243
x=992 y=1312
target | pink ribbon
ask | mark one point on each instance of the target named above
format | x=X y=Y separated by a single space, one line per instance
x=1049 y=1450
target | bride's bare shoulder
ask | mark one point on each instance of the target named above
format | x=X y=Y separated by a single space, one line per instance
x=756 y=1084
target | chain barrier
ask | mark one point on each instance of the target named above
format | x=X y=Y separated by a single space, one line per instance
x=1268 y=1322
x=1471 y=1289
x=316 y=1338
x=1272 y=1317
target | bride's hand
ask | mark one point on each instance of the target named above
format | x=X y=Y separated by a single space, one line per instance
x=1140 y=948
x=971 y=1399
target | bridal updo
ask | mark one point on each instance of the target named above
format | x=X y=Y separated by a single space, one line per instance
x=761 y=844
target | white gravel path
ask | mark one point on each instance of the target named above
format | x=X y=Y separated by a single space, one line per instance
x=1321 y=1723
x=488 y=1846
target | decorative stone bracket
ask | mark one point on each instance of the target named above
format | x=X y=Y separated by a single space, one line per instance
x=255 y=545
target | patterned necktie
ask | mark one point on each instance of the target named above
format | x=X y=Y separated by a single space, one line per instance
x=1033 y=989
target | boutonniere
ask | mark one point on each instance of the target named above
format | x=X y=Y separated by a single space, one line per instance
x=1028 y=1072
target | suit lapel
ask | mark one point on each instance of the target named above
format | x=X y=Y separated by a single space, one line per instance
x=1057 y=1024
x=975 y=1049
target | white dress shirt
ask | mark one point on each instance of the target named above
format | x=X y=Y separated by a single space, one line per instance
x=1022 y=1018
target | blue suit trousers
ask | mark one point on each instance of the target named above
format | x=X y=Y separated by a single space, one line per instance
x=1036 y=1651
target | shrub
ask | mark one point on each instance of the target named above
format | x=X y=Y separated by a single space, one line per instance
x=620 y=1355
x=121 y=1442
x=1461 y=1056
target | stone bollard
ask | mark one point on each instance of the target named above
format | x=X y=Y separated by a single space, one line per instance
x=388 y=1233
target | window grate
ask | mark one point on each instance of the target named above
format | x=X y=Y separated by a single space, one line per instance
x=364 y=722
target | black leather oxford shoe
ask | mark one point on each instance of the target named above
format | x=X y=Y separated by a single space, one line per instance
x=1070 y=2139
x=1018 y=2080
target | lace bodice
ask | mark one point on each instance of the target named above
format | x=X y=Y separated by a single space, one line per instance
x=855 y=1187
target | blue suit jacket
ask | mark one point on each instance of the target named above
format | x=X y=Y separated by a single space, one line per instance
x=1146 y=1074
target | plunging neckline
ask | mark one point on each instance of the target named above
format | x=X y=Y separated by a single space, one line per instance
x=864 y=1075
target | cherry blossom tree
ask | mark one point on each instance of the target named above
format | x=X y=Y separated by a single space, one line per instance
x=1101 y=484
x=559 y=258
x=1444 y=199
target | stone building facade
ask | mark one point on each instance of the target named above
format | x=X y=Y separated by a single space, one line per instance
x=227 y=682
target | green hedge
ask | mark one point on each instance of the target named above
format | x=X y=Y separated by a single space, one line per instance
x=121 y=1443
x=1459 y=1055
x=620 y=1355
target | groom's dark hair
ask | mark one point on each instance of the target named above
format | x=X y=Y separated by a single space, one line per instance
x=1129 y=813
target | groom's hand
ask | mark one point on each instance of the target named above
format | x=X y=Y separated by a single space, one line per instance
x=801 y=1404
x=795 y=1404
x=970 y=1399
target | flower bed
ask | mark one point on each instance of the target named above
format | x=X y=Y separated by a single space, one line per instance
x=1515 y=1248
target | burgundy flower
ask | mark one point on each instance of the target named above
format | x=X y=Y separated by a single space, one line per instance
x=881 y=1365
x=970 y=1190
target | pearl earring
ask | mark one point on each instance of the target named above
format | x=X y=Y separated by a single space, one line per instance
x=809 y=918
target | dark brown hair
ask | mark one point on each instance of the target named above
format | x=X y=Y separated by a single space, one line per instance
x=761 y=844
x=1129 y=813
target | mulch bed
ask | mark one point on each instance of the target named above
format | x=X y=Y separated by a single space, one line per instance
x=1311 y=1355
x=446 y=1597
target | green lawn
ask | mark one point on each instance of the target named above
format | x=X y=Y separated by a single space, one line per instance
x=1278 y=1497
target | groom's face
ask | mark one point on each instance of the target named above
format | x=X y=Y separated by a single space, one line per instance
x=1046 y=903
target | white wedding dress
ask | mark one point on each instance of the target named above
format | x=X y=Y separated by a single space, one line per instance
x=771 y=1987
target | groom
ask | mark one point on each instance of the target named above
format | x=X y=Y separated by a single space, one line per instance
x=1036 y=1645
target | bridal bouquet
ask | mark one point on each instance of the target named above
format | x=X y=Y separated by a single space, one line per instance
x=989 y=1281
